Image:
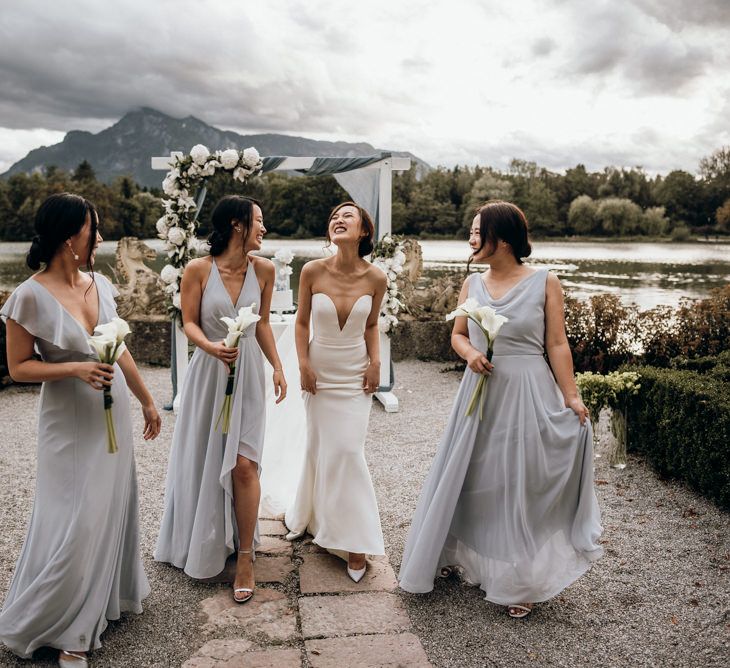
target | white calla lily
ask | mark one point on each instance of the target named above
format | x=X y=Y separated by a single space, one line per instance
x=236 y=326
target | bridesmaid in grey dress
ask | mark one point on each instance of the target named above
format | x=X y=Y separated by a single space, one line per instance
x=80 y=565
x=510 y=499
x=212 y=490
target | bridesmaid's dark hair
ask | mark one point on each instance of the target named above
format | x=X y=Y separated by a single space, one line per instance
x=60 y=217
x=228 y=209
x=503 y=221
x=366 y=243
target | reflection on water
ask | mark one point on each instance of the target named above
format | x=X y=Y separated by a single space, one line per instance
x=643 y=273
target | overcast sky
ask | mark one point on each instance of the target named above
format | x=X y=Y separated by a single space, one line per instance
x=626 y=83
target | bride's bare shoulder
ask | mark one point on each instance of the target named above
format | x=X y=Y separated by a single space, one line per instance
x=313 y=268
x=377 y=276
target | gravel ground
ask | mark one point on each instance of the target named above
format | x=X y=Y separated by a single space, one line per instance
x=660 y=596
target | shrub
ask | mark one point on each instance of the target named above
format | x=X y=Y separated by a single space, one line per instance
x=680 y=421
x=601 y=332
x=681 y=233
x=695 y=329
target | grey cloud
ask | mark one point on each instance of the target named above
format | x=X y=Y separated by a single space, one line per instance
x=649 y=57
x=680 y=13
x=543 y=46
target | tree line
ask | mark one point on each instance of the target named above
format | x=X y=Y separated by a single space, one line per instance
x=614 y=202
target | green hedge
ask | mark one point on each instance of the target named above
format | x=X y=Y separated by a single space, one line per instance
x=680 y=421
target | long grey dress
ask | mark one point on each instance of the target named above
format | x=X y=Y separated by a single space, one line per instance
x=80 y=564
x=510 y=499
x=199 y=529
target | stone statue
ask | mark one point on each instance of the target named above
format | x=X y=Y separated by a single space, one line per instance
x=140 y=288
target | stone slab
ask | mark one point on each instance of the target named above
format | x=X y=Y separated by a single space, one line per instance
x=333 y=616
x=266 y=618
x=379 y=651
x=234 y=654
x=326 y=574
x=266 y=569
x=272 y=528
x=274 y=545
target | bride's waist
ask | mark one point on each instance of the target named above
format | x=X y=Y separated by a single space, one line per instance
x=338 y=342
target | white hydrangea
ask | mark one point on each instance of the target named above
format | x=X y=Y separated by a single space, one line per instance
x=240 y=174
x=171 y=289
x=251 y=157
x=176 y=236
x=169 y=274
x=199 y=154
x=229 y=158
x=161 y=226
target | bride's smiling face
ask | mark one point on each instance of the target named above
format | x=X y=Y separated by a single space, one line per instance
x=345 y=226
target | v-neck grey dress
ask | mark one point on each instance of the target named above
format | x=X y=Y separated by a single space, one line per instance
x=80 y=564
x=509 y=499
x=198 y=530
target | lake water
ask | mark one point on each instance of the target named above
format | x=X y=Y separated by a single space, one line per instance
x=647 y=274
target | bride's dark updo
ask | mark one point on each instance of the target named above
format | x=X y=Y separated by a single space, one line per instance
x=228 y=209
x=504 y=221
x=60 y=217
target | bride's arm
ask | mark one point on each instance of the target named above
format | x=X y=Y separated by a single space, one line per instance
x=371 y=381
x=475 y=359
x=557 y=347
x=264 y=335
x=301 y=328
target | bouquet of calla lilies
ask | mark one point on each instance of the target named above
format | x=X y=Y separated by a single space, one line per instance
x=236 y=327
x=490 y=323
x=108 y=342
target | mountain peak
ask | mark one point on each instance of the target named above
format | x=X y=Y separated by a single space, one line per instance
x=125 y=148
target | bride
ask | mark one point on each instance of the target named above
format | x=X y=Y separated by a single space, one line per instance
x=339 y=369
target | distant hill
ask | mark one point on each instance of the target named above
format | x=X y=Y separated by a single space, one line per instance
x=126 y=147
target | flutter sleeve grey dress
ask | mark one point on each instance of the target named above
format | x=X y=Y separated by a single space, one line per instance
x=198 y=530
x=509 y=499
x=80 y=565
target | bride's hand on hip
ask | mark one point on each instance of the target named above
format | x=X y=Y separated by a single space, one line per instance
x=371 y=380
x=279 y=385
x=578 y=407
x=477 y=361
x=221 y=351
x=308 y=379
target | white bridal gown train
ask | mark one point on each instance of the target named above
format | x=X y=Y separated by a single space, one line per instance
x=335 y=500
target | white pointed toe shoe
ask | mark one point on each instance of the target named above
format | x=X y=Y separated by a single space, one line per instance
x=356 y=575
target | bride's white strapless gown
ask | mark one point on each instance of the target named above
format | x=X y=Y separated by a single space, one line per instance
x=335 y=500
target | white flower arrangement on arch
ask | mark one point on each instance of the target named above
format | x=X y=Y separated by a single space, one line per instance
x=177 y=227
x=389 y=256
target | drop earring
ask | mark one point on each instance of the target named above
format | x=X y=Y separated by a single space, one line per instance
x=73 y=252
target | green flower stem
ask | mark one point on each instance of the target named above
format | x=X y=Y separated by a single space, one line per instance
x=226 y=408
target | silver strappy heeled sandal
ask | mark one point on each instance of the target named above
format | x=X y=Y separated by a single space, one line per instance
x=78 y=661
x=245 y=590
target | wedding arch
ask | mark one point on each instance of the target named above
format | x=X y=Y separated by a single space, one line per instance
x=368 y=180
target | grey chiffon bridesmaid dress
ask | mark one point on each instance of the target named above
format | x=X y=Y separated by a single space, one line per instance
x=509 y=499
x=199 y=530
x=80 y=565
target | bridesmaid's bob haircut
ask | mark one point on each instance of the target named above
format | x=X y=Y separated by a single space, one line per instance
x=503 y=221
x=228 y=209
x=60 y=217
x=366 y=242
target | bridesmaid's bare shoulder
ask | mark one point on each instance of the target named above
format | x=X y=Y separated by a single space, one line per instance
x=263 y=266
x=198 y=268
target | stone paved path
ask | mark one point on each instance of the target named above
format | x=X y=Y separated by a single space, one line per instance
x=307 y=613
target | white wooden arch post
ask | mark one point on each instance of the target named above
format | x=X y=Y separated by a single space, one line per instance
x=387 y=166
